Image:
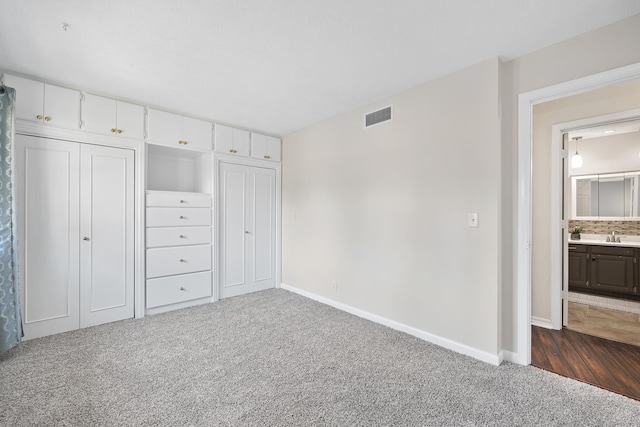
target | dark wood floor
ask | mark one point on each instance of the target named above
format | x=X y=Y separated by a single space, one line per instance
x=607 y=364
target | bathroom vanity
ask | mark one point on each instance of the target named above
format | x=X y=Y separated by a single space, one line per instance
x=604 y=268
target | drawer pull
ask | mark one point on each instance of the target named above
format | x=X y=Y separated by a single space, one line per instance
x=182 y=288
x=182 y=217
x=182 y=201
x=182 y=236
x=183 y=260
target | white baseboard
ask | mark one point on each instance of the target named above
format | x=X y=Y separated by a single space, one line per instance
x=509 y=356
x=494 y=359
x=543 y=323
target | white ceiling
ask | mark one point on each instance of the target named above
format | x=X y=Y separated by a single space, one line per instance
x=277 y=65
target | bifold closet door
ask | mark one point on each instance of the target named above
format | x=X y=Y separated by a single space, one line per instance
x=48 y=203
x=75 y=225
x=106 y=229
x=247 y=229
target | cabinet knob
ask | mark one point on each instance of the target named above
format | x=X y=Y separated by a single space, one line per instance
x=182 y=236
x=233 y=151
x=119 y=130
x=246 y=232
x=180 y=142
x=267 y=157
x=182 y=217
x=182 y=201
x=182 y=288
x=183 y=260
x=47 y=119
x=39 y=117
x=113 y=130
x=185 y=142
x=85 y=239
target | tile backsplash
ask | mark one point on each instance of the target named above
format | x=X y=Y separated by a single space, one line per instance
x=629 y=228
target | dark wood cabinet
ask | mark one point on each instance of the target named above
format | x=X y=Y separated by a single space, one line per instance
x=604 y=270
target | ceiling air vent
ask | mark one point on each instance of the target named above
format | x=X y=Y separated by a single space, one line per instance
x=379 y=116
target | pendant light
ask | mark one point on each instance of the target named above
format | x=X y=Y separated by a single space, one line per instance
x=576 y=160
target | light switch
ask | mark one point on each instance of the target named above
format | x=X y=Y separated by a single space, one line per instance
x=473 y=219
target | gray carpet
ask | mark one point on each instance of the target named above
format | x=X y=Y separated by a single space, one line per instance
x=274 y=358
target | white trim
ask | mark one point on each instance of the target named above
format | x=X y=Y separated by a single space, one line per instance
x=483 y=356
x=543 y=323
x=523 y=245
x=509 y=356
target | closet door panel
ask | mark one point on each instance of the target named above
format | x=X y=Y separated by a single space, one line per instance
x=233 y=231
x=107 y=209
x=48 y=221
x=263 y=215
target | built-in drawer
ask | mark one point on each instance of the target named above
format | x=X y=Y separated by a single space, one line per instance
x=175 y=289
x=177 y=217
x=178 y=236
x=612 y=250
x=577 y=248
x=178 y=200
x=178 y=260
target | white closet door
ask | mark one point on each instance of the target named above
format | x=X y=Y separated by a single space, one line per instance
x=247 y=229
x=263 y=233
x=107 y=219
x=48 y=221
x=233 y=196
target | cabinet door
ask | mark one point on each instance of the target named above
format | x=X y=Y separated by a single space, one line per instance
x=265 y=147
x=613 y=273
x=99 y=114
x=165 y=128
x=106 y=251
x=29 y=98
x=130 y=120
x=232 y=141
x=61 y=107
x=578 y=267
x=197 y=134
x=48 y=217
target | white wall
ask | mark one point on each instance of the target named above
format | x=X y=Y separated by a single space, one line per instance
x=613 y=99
x=384 y=210
x=609 y=154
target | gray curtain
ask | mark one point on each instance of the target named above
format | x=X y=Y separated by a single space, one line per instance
x=10 y=319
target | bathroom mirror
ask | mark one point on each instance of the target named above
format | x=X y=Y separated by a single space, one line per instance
x=606 y=196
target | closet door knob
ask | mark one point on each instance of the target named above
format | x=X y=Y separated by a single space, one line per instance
x=183 y=260
x=85 y=239
x=182 y=288
x=119 y=130
x=47 y=119
x=39 y=117
x=113 y=130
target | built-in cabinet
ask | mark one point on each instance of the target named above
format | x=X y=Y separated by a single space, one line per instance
x=179 y=253
x=247 y=228
x=265 y=147
x=76 y=234
x=174 y=130
x=108 y=116
x=604 y=270
x=232 y=141
x=45 y=103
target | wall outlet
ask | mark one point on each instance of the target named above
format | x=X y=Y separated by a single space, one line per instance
x=334 y=286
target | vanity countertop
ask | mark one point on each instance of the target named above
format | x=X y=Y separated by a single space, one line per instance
x=601 y=239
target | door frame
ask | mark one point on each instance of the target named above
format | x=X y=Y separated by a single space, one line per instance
x=243 y=161
x=526 y=101
x=558 y=252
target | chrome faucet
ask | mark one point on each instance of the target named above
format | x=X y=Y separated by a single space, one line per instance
x=613 y=238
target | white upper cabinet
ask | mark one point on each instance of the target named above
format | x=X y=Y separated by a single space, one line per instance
x=111 y=117
x=44 y=103
x=229 y=140
x=175 y=130
x=265 y=147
